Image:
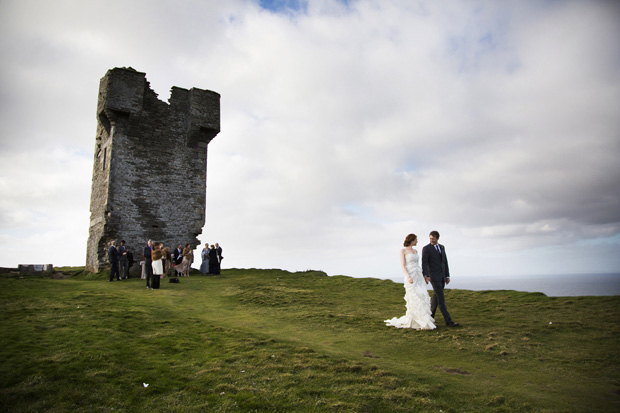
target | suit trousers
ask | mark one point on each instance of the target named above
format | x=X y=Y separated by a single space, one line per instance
x=439 y=300
x=124 y=264
x=114 y=270
x=148 y=271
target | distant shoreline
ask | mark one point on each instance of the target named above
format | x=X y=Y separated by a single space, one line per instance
x=557 y=285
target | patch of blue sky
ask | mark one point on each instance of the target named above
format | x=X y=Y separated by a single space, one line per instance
x=484 y=37
x=410 y=168
x=284 y=6
x=600 y=241
x=358 y=210
x=291 y=6
x=487 y=40
x=468 y=53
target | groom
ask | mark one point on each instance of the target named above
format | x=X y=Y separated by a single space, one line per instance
x=435 y=269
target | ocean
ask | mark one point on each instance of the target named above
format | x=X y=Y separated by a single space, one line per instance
x=551 y=285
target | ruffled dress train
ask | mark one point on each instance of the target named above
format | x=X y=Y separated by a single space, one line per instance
x=417 y=300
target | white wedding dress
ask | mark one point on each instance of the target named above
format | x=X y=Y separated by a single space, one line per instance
x=418 y=302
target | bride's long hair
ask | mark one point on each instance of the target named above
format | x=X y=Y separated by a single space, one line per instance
x=409 y=240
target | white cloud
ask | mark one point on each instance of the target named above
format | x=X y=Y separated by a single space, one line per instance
x=344 y=127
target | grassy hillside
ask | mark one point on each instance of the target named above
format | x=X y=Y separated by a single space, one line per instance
x=270 y=340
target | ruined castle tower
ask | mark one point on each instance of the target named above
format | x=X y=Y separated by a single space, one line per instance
x=150 y=167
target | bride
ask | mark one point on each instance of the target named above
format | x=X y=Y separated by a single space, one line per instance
x=417 y=300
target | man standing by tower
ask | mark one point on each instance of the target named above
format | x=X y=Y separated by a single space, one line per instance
x=113 y=257
x=124 y=264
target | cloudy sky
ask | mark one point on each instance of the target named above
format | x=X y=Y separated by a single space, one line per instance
x=346 y=125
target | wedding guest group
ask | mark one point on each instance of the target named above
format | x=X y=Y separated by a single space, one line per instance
x=211 y=259
x=158 y=261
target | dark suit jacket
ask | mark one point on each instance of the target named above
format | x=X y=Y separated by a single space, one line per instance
x=113 y=255
x=434 y=264
x=147 y=253
x=121 y=250
x=178 y=256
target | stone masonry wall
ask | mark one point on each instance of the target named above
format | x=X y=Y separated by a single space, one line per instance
x=149 y=172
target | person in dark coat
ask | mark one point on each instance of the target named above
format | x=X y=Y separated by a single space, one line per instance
x=148 y=269
x=113 y=257
x=129 y=261
x=123 y=263
x=214 y=263
x=436 y=271
x=178 y=260
x=218 y=249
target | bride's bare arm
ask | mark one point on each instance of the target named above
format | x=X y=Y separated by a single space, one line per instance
x=403 y=264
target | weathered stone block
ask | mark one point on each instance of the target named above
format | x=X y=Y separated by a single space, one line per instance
x=35 y=268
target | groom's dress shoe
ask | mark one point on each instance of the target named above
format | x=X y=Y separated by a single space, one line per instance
x=452 y=324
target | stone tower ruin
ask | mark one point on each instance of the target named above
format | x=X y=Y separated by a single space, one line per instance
x=150 y=166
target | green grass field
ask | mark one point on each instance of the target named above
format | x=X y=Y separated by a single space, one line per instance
x=270 y=340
